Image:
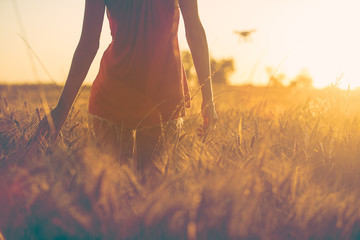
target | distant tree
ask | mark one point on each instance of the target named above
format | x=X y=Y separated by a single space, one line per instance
x=302 y=80
x=221 y=69
x=275 y=79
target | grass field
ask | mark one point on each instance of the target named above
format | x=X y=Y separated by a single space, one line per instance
x=282 y=164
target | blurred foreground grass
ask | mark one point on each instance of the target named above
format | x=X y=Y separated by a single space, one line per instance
x=282 y=164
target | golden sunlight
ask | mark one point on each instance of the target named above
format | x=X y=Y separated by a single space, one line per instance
x=261 y=141
x=324 y=40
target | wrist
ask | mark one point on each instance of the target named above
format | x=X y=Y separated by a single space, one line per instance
x=208 y=104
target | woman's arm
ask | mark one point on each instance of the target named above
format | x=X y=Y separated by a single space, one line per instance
x=84 y=53
x=196 y=38
x=82 y=59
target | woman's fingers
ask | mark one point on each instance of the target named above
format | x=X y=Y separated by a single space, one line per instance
x=42 y=130
x=209 y=122
x=45 y=130
x=39 y=135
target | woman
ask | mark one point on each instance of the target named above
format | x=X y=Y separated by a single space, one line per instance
x=141 y=85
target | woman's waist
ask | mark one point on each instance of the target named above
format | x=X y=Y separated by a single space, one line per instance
x=124 y=123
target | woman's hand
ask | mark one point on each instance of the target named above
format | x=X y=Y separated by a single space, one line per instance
x=49 y=127
x=210 y=119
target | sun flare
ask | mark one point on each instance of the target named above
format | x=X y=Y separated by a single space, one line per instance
x=325 y=42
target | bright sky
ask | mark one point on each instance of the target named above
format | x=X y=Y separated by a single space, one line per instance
x=321 y=36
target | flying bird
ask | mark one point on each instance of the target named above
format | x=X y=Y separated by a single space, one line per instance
x=246 y=35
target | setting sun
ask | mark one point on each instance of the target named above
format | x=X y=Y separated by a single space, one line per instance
x=325 y=41
x=319 y=36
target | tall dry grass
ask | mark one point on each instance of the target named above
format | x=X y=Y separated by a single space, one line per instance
x=282 y=164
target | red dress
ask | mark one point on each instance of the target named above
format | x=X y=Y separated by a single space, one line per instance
x=141 y=80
